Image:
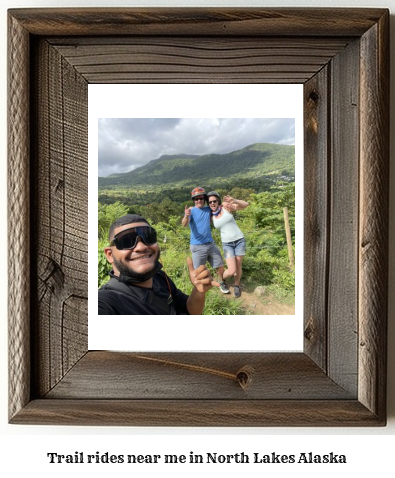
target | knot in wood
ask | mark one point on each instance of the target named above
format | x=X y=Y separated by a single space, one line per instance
x=313 y=96
x=309 y=331
x=244 y=376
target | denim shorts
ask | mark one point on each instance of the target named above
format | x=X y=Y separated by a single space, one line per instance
x=234 y=248
x=202 y=253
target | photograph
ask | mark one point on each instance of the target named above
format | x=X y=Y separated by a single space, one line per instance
x=197 y=369
x=197 y=215
x=220 y=191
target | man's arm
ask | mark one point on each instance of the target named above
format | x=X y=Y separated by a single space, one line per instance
x=195 y=302
x=185 y=219
x=202 y=282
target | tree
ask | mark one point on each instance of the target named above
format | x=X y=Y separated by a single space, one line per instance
x=107 y=215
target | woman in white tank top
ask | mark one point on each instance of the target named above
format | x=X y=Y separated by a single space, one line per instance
x=233 y=242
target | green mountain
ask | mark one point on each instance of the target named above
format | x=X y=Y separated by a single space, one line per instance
x=252 y=164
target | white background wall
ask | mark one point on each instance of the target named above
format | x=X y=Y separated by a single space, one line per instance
x=24 y=449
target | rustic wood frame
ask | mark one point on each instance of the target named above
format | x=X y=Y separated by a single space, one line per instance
x=342 y=58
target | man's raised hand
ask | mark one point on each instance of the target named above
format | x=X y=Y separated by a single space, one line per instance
x=201 y=277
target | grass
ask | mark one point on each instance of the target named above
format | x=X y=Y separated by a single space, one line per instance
x=280 y=295
x=219 y=304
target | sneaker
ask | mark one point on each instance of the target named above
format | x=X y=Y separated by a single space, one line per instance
x=237 y=291
x=223 y=288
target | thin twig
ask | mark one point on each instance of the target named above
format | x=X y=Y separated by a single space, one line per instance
x=195 y=368
x=243 y=376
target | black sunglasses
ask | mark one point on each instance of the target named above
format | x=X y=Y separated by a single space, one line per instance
x=128 y=238
x=213 y=202
x=199 y=199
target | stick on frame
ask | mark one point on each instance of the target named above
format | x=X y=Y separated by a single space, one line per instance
x=289 y=238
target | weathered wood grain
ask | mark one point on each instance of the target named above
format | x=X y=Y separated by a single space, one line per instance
x=224 y=60
x=18 y=218
x=183 y=376
x=202 y=413
x=255 y=22
x=343 y=223
x=60 y=196
x=373 y=227
x=335 y=381
x=316 y=215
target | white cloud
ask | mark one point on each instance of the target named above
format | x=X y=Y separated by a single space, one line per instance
x=127 y=143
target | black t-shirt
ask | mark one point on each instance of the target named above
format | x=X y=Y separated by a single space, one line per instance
x=117 y=302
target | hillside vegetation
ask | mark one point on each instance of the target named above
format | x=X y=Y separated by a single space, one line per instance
x=262 y=174
x=252 y=162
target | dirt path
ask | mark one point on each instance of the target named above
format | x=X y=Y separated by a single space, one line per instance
x=266 y=305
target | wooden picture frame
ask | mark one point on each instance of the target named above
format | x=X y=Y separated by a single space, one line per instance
x=342 y=58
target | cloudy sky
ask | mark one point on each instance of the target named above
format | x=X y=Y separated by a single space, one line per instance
x=128 y=143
